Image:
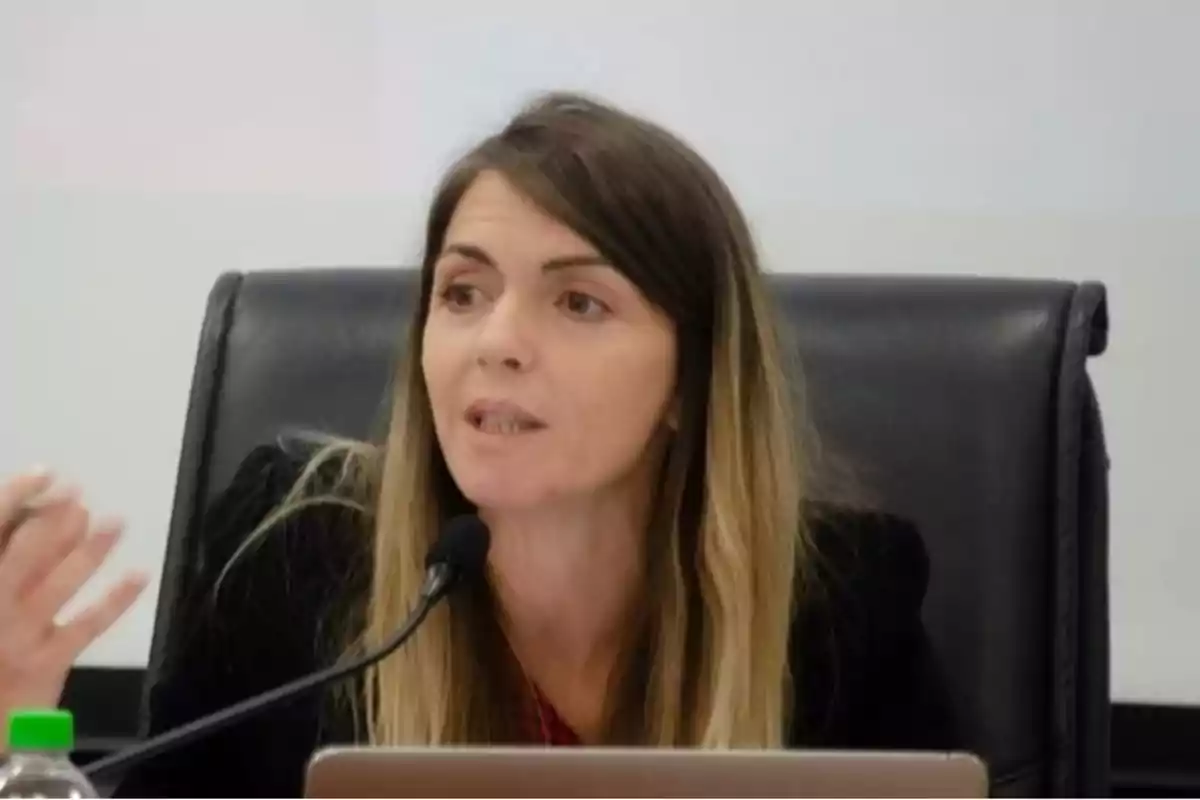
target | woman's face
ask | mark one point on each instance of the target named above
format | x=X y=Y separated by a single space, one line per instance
x=549 y=374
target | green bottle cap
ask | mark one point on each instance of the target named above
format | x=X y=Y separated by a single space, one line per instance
x=41 y=729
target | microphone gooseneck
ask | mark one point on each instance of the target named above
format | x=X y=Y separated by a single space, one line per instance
x=458 y=555
x=459 y=552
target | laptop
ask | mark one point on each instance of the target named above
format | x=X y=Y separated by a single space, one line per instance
x=645 y=772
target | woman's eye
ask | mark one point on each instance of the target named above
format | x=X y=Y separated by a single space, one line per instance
x=458 y=296
x=584 y=306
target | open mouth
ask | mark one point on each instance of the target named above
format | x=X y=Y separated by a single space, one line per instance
x=503 y=422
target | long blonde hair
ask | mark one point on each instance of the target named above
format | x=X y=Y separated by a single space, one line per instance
x=728 y=548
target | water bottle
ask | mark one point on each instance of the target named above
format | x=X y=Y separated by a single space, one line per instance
x=39 y=743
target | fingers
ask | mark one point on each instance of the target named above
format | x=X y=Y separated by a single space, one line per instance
x=73 y=637
x=46 y=556
x=41 y=542
x=22 y=489
x=46 y=538
x=15 y=495
x=69 y=575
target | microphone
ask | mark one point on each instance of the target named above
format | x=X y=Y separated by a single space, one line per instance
x=458 y=555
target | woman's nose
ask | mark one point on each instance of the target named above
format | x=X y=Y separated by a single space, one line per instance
x=506 y=339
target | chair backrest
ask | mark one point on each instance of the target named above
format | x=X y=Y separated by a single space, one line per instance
x=964 y=404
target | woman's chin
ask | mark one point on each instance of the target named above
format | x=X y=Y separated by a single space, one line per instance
x=504 y=496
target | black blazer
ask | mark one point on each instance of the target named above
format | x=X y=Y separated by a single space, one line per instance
x=865 y=676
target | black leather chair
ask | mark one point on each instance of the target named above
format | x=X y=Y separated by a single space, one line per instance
x=963 y=403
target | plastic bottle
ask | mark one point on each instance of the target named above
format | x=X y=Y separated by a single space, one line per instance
x=38 y=764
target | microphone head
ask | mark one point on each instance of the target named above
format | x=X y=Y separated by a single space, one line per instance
x=462 y=547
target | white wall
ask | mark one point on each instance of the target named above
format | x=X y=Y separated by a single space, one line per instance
x=148 y=146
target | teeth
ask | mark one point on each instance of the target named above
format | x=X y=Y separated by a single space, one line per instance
x=502 y=424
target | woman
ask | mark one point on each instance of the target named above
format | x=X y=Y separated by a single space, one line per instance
x=593 y=369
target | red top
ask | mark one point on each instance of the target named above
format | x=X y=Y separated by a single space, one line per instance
x=547 y=727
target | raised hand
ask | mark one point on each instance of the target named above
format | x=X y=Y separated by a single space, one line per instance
x=49 y=548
